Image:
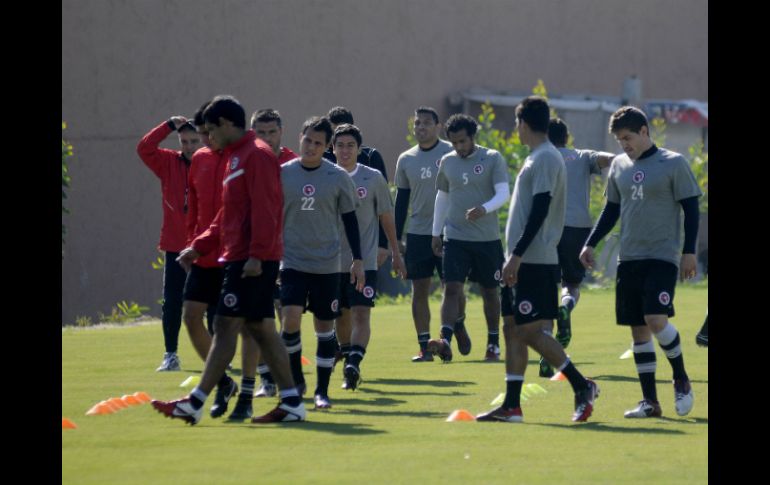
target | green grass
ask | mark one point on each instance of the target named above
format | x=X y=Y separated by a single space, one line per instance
x=393 y=429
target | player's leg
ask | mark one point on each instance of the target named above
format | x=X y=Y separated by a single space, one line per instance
x=174 y=278
x=702 y=338
x=294 y=291
x=361 y=309
x=323 y=301
x=250 y=356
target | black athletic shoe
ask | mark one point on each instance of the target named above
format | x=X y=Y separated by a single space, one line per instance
x=702 y=339
x=223 y=397
x=563 y=326
x=242 y=411
x=352 y=378
x=463 y=339
x=423 y=356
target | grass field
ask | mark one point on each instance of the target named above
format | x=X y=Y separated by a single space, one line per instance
x=393 y=429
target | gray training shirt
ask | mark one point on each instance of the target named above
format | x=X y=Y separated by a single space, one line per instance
x=580 y=164
x=374 y=200
x=470 y=182
x=416 y=170
x=543 y=171
x=649 y=191
x=312 y=203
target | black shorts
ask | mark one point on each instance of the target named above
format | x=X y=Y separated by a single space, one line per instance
x=204 y=285
x=480 y=261
x=644 y=287
x=571 y=243
x=251 y=297
x=535 y=296
x=319 y=293
x=350 y=297
x=419 y=258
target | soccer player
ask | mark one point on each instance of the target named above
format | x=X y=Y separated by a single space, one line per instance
x=535 y=222
x=472 y=184
x=580 y=164
x=316 y=193
x=702 y=338
x=172 y=168
x=649 y=188
x=374 y=205
x=416 y=171
x=248 y=226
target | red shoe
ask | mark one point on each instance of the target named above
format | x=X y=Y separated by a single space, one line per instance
x=180 y=409
x=584 y=402
x=441 y=348
x=502 y=414
x=283 y=413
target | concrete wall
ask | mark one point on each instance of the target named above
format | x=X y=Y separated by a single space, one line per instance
x=127 y=65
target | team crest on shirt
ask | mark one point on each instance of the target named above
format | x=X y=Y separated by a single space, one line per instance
x=234 y=163
x=368 y=291
x=230 y=300
x=361 y=191
x=438 y=162
x=664 y=298
x=335 y=305
x=478 y=169
x=497 y=275
x=525 y=307
x=308 y=190
x=638 y=177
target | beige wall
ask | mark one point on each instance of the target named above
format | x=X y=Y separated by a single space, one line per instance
x=127 y=65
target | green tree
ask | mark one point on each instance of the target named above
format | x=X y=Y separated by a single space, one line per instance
x=66 y=152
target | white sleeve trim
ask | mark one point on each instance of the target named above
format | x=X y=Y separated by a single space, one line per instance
x=440 y=210
x=502 y=193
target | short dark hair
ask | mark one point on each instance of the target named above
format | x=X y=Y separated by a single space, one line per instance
x=266 y=115
x=187 y=126
x=347 y=129
x=318 y=123
x=198 y=116
x=630 y=118
x=339 y=115
x=226 y=107
x=534 y=111
x=460 y=121
x=427 y=110
x=558 y=132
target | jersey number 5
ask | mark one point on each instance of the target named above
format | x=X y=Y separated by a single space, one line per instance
x=465 y=178
x=307 y=203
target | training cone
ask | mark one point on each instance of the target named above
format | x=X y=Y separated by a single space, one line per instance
x=118 y=402
x=190 y=381
x=67 y=424
x=559 y=377
x=627 y=354
x=536 y=388
x=100 y=408
x=130 y=400
x=305 y=360
x=498 y=400
x=461 y=415
x=142 y=396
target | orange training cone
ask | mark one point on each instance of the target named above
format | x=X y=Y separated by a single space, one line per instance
x=118 y=402
x=305 y=361
x=559 y=377
x=142 y=396
x=102 y=407
x=67 y=424
x=461 y=415
x=130 y=400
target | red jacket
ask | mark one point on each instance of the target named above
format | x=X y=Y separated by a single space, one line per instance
x=207 y=171
x=250 y=222
x=286 y=155
x=172 y=169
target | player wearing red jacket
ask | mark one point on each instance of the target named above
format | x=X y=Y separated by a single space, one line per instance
x=171 y=167
x=249 y=227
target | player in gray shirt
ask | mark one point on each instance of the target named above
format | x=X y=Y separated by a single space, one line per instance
x=416 y=171
x=316 y=193
x=375 y=208
x=533 y=230
x=649 y=188
x=580 y=165
x=472 y=184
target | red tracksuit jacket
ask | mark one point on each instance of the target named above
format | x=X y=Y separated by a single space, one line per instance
x=250 y=222
x=172 y=169
x=286 y=155
x=207 y=171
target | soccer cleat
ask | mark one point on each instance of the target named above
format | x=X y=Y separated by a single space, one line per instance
x=502 y=414
x=563 y=326
x=545 y=368
x=463 y=339
x=223 y=397
x=645 y=409
x=683 y=397
x=441 y=348
x=266 y=389
x=283 y=413
x=493 y=353
x=322 y=401
x=242 y=411
x=170 y=363
x=584 y=402
x=352 y=378
x=423 y=357
x=180 y=409
x=702 y=340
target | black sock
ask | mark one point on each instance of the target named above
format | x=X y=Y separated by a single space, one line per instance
x=575 y=378
x=247 y=388
x=264 y=373
x=224 y=380
x=293 y=342
x=345 y=351
x=646 y=363
x=446 y=332
x=422 y=339
x=493 y=338
x=649 y=391
x=512 y=394
x=327 y=347
x=357 y=353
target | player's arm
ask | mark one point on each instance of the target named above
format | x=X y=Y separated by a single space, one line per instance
x=191 y=218
x=440 y=210
x=604 y=225
x=353 y=234
x=386 y=220
x=502 y=193
x=541 y=202
x=149 y=150
x=401 y=212
x=206 y=242
x=604 y=159
x=689 y=265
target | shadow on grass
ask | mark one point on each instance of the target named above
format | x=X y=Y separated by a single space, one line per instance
x=407 y=414
x=636 y=379
x=599 y=426
x=332 y=428
x=380 y=401
x=369 y=390
x=419 y=382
